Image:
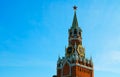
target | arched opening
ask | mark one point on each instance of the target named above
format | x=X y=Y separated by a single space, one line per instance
x=75 y=31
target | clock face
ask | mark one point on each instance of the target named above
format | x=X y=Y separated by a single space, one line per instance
x=81 y=51
x=69 y=50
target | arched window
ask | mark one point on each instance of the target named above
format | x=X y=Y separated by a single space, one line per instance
x=75 y=31
x=80 y=33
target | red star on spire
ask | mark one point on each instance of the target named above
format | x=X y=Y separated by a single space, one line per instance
x=74 y=7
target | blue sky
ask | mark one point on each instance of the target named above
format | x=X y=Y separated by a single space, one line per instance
x=34 y=32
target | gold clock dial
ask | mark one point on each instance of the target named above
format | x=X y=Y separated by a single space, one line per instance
x=80 y=51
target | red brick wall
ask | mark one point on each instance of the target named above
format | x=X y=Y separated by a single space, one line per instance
x=66 y=69
x=58 y=72
x=81 y=72
x=76 y=71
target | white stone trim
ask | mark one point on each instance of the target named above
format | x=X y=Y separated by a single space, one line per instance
x=75 y=39
x=63 y=66
x=82 y=66
x=59 y=67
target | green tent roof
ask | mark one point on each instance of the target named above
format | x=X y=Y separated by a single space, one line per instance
x=75 y=22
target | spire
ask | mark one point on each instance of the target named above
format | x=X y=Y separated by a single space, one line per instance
x=75 y=22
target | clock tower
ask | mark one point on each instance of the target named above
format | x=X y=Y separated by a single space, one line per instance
x=74 y=63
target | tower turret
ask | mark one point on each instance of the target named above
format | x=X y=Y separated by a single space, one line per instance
x=75 y=31
x=75 y=37
x=74 y=64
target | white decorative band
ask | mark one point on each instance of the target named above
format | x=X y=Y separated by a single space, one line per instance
x=82 y=66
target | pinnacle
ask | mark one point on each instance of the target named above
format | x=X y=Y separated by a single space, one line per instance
x=75 y=22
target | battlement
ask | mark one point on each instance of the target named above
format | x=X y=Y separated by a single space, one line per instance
x=75 y=60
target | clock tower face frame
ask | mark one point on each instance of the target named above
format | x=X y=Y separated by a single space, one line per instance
x=69 y=50
x=81 y=51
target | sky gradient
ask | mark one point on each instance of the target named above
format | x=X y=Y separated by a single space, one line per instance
x=33 y=33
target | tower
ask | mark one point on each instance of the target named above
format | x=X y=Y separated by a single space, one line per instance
x=75 y=63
